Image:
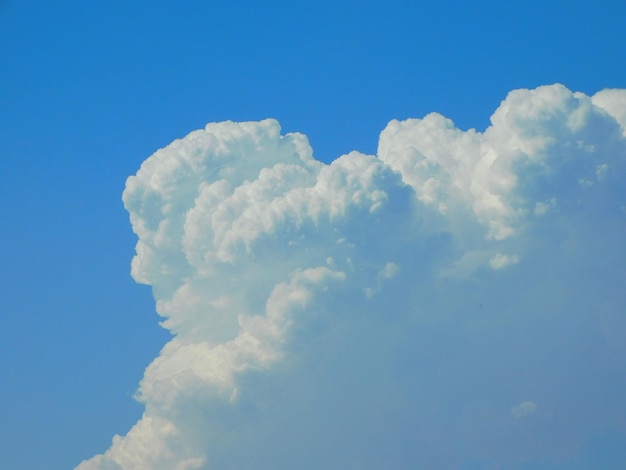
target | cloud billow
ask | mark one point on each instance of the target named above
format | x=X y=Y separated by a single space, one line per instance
x=402 y=310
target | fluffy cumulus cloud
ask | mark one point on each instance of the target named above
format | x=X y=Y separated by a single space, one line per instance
x=403 y=310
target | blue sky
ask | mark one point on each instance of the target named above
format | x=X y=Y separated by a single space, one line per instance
x=88 y=92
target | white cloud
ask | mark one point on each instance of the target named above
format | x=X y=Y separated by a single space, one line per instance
x=613 y=101
x=499 y=261
x=524 y=408
x=361 y=307
x=542 y=208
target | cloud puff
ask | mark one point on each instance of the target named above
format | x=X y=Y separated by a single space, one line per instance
x=499 y=261
x=524 y=408
x=356 y=314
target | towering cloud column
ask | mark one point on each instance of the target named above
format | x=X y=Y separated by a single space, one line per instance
x=450 y=301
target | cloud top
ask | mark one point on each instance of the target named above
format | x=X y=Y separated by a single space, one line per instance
x=387 y=309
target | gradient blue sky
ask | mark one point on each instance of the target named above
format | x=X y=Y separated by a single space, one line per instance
x=89 y=90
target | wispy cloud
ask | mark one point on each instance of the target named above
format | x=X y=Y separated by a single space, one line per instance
x=524 y=408
x=357 y=314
